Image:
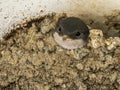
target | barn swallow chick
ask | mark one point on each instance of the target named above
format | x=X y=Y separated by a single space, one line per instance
x=71 y=33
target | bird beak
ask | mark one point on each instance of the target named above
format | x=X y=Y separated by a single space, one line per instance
x=66 y=38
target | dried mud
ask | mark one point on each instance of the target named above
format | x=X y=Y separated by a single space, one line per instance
x=30 y=59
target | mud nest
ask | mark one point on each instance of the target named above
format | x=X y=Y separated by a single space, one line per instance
x=30 y=59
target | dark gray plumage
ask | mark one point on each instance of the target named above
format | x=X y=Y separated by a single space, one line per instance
x=73 y=27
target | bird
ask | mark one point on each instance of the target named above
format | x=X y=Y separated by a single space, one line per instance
x=71 y=33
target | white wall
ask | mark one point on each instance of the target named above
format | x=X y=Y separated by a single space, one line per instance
x=12 y=12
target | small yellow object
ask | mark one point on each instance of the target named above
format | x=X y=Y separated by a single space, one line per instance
x=67 y=38
x=107 y=42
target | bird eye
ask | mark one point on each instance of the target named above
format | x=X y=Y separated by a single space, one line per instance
x=59 y=29
x=78 y=34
